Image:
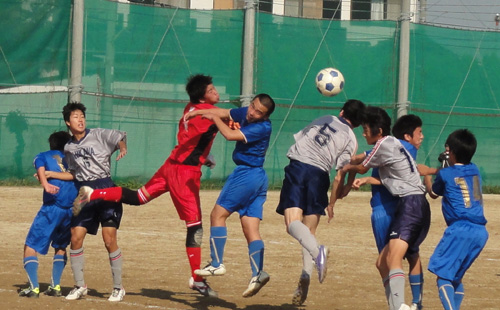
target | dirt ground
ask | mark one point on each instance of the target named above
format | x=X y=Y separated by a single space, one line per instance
x=156 y=271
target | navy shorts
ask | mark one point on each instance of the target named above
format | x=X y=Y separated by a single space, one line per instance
x=412 y=221
x=306 y=187
x=106 y=213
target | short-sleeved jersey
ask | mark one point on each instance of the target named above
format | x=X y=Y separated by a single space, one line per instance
x=252 y=151
x=53 y=160
x=326 y=142
x=380 y=194
x=195 y=137
x=397 y=168
x=90 y=158
x=460 y=186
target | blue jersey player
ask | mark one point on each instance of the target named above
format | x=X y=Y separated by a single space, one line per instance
x=51 y=226
x=408 y=129
x=462 y=206
x=245 y=190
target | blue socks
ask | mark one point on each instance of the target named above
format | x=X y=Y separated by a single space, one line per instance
x=256 y=254
x=218 y=237
x=31 y=267
x=58 y=264
x=416 y=284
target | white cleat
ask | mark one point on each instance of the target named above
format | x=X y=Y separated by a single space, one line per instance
x=210 y=270
x=117 y=294
x=77 y=293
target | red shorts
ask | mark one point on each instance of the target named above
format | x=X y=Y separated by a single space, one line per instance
x=183 y=183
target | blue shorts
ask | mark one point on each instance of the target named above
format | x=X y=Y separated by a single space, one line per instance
x=245 y=191
x=52 y=225
x=382 y=218
x=106 y=213
x=306 y=187
x=412 y=221
x=460 y=245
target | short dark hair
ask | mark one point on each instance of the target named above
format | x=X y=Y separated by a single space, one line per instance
x=266 y=101
x=376 y=118
x=353 y=111
x=58 y=139
x=406 y=124
x=463 y=144
x=196 y=86
x=70 y=107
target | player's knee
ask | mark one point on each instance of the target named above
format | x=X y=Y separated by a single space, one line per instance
x=194 y=236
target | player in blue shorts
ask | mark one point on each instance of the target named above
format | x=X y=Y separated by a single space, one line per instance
x=327 y=143
x=462 y=206
x=245 y=190
x=408 y=129
x=399 y=174
x=51 y=226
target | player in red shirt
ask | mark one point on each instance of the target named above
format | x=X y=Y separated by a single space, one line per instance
x=180 y=175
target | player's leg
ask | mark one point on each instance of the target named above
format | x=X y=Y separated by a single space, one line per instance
x=250 y=226
x=218 y=237
x=184 y=185
x=416 y=279
x=446 y=294
x=61 y=238
x=459 y=293
x=302 y=290
x=391 y=259
x=58 y=263
x=303 y=235
x=30 y=262
x=38 y=241
x=77 y=259
x=109 y=236
x=156 y=186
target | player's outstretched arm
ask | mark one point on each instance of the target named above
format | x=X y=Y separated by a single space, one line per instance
x=65 y=176
x=221 y=113
x=424 y=170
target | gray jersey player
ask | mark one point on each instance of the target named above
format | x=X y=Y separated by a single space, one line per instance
x=89 y=160
x=327 y=142
x=399 y=173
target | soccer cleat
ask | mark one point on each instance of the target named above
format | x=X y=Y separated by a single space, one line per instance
x=404 y=307
x=300 y=294
x=53 y=291
x=30 y=293
x=321 y=262
x=256 y=283
x=202 y=287
x=210 y=270
x=117 y=294
x=77 y=293
x=82 y=199
x=415 y=306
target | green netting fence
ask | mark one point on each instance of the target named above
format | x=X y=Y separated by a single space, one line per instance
x=136 y=60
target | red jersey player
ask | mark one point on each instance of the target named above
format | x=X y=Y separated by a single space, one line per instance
x=180 y=175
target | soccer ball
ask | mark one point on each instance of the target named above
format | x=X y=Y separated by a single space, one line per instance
x=329 y=82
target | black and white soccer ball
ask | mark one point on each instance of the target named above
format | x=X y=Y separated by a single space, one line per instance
x=330 y=82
